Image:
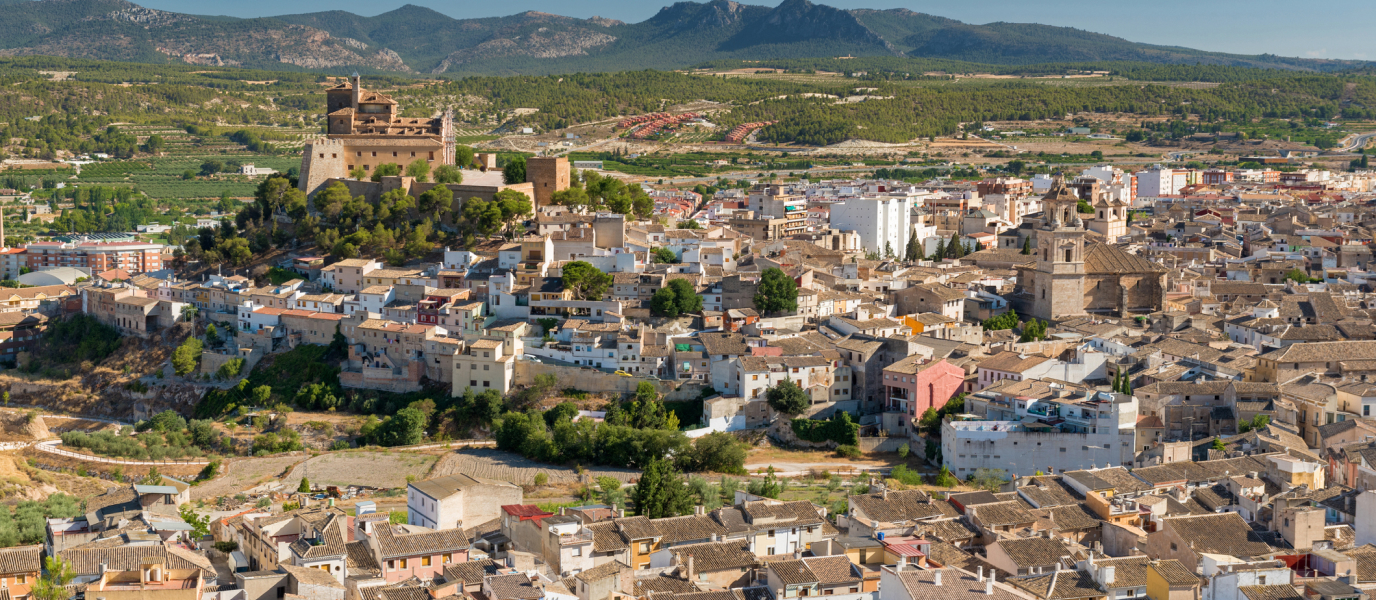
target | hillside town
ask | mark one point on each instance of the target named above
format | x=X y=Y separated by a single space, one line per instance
x=1216 y=324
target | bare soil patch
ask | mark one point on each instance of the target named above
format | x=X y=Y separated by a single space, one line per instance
x=241 y=474
x=488 y=463
x=373 y=469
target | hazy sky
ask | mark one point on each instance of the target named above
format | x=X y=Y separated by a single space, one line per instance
x=1326 y=29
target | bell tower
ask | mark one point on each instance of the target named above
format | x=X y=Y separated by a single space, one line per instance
x=1058 y=283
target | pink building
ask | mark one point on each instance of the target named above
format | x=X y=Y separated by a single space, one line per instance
x=403 y=555
x=916 y=383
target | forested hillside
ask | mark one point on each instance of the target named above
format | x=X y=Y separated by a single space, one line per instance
x=418 y=40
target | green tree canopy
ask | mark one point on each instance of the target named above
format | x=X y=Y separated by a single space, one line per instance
x=787 y=398
x=515 y=171
x=585 y=281
x=661 y=492
x=777 y=292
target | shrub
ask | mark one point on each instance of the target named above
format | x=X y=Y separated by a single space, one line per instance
x=839 y=428
x=906 y=476
x=541 y=479
x=227 y=547
x=848 y=451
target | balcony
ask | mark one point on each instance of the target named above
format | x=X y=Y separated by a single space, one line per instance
x=582 y=537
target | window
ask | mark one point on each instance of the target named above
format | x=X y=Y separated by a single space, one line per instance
x=425 y=561
x=1261 y=580
x=1132 y=593
x=578 y=551
x=644 y=547
x=1173 y=547
x=403 y=563
x=473 y=383
x=391 y=564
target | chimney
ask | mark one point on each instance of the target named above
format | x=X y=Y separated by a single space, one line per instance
x=692 y=572
x=797 y=555
x=989 y=587
x=902 y=562
x=884 y=494
x=699 y=510
x=1106 y=575
x=937 y=577
x=716 y=538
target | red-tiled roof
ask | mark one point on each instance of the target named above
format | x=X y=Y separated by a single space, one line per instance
x=526 y=511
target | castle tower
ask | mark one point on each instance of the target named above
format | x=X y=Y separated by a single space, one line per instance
x=549 y=175
x=1058 y=283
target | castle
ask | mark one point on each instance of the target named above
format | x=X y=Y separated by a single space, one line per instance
x=1070 y=278
x=365 y=130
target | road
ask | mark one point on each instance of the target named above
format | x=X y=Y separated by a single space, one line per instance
x=1359 y=141
x=51 y=447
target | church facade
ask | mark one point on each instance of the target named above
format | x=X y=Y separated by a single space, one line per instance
x=1072 y=277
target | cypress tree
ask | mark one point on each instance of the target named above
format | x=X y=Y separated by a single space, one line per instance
x=1027 y=245
x=954 y=246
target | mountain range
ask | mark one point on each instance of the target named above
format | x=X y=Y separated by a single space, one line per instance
x=414 y=39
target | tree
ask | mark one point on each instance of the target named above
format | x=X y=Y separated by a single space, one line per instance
x=940 y=250
x=664 y=256
x=200 y=525
x=261 y=395
x=989 y=479
x=664 y=303
x=930 y=420
x=689 y=224
x=944 y=478
x=914 y=250
x=777 y=292
x=585 y=280
x=419 y=169
x=358 y=173
x=1218 y=445
x=888 y=249
x=463 y=156
x=448 y=174
x=405 y=428
x=903 y=451
x=52 y=585
x=1033 y=331
x=212 y=336
x=661 y=492
x=954 y=249
x=1297 y=276
x=1027 y=245
x=304 y=487
x=787 y=398
x=1258 y=422
x=187 y=356
x=685 y=295
x=719 y=452
x=515 y=171
x=386 y=170
x=611 y=490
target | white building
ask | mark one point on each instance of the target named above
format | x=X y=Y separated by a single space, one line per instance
x=457 y=501
x=1160 y=182
x=877 y=221
x=1096 y=431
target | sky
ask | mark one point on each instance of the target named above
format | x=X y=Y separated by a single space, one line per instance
x=1328 y=29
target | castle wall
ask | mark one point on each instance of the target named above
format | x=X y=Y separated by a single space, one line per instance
x=321 y=160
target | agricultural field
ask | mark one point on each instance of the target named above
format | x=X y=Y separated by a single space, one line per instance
x=163 y=178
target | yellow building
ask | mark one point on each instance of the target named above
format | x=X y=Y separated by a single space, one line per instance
x=1170 y=580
